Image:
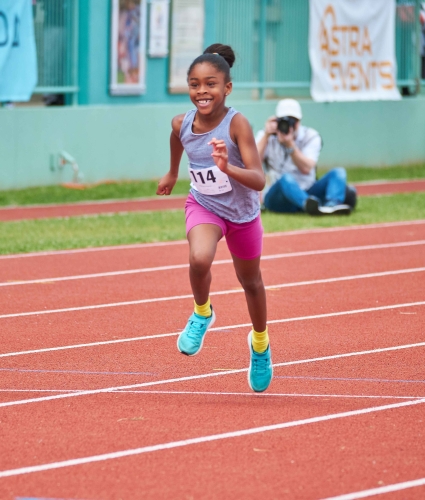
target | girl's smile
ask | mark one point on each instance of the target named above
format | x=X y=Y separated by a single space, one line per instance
x=203 y=102
x=208 y=88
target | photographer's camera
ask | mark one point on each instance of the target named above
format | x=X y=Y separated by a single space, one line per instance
x=285 y=123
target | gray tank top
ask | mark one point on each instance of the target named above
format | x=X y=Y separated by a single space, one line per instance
x=239 y=205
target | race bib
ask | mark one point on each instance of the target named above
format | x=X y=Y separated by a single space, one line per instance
x=210 y=180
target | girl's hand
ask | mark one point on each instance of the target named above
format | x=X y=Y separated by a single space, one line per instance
x=166 y=184
x=219 y=153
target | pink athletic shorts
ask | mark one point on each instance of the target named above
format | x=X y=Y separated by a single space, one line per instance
x=243 y=240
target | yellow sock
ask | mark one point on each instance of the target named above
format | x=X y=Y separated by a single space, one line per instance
x=204 y=310
x=260 y=340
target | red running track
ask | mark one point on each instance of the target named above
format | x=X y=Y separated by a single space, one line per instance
x=169 y=203
x=104 y=407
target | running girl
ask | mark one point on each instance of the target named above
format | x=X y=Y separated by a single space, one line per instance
x=226 y=174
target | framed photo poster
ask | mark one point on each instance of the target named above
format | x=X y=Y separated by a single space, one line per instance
x=187 y=41
x=128 y=47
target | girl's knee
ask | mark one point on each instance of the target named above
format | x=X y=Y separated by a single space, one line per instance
x=200 y=263
x=251 y=284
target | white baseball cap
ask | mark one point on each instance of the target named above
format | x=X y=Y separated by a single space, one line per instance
x=289 y=107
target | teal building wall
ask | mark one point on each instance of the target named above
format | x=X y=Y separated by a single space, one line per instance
x=126 y=137
x=131 y=142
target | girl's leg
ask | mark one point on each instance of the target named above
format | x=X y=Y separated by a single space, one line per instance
x=203 y=240
x=260 y=371
x=249 y=276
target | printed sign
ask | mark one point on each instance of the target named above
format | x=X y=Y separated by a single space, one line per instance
x=210 y=180
x=187 y=40
x=158 y=28
x=18 y=59
x=352 y=50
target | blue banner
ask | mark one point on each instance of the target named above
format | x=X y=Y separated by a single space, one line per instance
x=18 y=58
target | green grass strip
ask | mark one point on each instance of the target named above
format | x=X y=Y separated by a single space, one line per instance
x=119 y=229
x=141 y=189
x=97 y=192
x=363 y=174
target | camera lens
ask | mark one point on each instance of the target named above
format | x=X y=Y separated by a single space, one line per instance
x=283 y=125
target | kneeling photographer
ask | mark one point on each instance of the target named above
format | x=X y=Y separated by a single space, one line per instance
x=290 y=152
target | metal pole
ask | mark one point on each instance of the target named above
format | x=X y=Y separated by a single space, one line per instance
x=418 y=40
x=75 y=24
x=262 y=45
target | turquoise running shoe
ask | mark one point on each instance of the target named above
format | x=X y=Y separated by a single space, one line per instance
x=191 y=339
x=260 y=371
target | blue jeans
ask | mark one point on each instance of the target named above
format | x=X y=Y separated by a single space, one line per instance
x=286 y=196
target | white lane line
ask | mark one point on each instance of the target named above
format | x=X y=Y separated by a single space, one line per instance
x=217 y=329
x=384 y=182
x=345 y=228
x=103 y=202
x=223 y=292
x=272 y=394
x=207 y=375
x=45 y=390
x=211 y=393
x=184 y=242
x=203 y=439
x=217 y=262
x=380 y=490
x=112 y=248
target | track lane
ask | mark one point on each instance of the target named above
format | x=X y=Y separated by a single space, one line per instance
x=379 y=433
x=397 y=327
x=168 y=268
x=30 y=332
x=113 y=289
x=116 y=412
x=302 y=344
x=84 y=261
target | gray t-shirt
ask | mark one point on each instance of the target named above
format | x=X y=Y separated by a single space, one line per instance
x=278 y=161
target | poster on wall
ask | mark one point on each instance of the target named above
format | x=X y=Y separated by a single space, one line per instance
x=352 y=50
x=158 y=28
x=128 y=47
x=187 y=40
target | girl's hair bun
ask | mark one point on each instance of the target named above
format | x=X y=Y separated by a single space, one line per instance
x=219 y=56
x=224 y=51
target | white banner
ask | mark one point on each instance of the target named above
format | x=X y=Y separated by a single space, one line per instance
x=352 y=50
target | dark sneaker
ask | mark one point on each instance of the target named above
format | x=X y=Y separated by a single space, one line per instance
x=341 y=209
x=312 y=206
x=191 y=339
x=350 y=196
x=260 y=371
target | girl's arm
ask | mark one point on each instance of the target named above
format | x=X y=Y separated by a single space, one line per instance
x=166 y=183
x=252 y=176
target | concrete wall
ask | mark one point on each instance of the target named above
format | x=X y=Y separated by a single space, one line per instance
x=131 y=142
